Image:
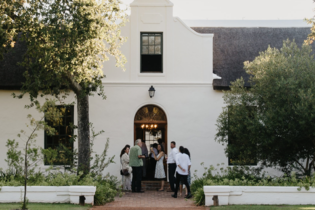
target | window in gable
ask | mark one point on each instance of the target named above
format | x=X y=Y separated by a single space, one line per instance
x=63 y=140
x=151 y=53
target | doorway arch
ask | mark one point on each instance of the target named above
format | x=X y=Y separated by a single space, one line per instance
x=150 y=125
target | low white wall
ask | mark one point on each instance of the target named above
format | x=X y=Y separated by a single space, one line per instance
x=229 y=195
x=48 y=194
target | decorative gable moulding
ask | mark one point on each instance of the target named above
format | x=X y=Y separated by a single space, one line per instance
x=152 y=18
x=151 y=3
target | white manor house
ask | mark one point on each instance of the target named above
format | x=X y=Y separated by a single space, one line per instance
x=188 y=63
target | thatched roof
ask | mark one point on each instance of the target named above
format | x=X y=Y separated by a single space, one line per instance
x=233 y=46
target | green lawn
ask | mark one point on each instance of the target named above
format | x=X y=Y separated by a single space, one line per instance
x=262 y=207
x=46 y=206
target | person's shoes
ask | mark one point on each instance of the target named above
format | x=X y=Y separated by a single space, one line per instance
x=188 y=196
x=174 y=196
x=140 y=192
x=169 y=190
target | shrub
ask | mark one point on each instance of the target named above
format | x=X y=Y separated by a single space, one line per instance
x=244 y=176
x=106 y=186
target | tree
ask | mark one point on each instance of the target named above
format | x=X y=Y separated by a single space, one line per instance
x=27 y=160
x=68 y=40
x=9 y=11
x=281 y=129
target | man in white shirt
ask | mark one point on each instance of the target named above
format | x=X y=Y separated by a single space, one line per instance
x=182 y=171
x=171 y=162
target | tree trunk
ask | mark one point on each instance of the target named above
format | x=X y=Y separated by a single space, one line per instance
x=83 y=134
x=25 y=176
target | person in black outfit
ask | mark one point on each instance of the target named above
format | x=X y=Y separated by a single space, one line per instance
x=183 y=166
x=171 y=162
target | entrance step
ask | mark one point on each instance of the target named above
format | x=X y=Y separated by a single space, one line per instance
x=153 y=185
x=150 y=208
x=150 y=200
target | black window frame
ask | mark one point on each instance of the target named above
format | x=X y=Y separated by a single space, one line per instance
x=65 y=135
x=141 y=45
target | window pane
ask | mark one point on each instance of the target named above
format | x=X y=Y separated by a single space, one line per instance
x=68 y=131
x=62 y=111
x=151 y=49
x=157 y=50
x=62 y=130
x=145 y=49
x=151 y=52
x=61 y=122
x=69 y=113
x=158 y=40
x=55 y=141
x=145 y=40
x=62 y=136
x=151 y=63
x=151 y=40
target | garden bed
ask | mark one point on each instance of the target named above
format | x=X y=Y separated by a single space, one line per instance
x=257 y=195
x=48 y=194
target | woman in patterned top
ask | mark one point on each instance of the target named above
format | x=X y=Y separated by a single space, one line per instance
x=159 y=168
x=124 y=160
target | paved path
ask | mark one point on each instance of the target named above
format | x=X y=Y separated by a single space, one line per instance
x=150 y=200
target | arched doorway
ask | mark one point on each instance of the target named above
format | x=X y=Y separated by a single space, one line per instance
x=150 y=125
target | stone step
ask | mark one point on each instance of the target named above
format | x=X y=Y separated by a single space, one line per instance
x=152 y=208
x=153 y=185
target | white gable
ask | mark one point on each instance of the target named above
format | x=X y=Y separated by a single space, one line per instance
x=151 y=3
x=187 y=55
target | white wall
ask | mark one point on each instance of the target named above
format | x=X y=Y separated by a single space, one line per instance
x=13 y=119
x=187 y=55
x=191 y=111
x=184 y=91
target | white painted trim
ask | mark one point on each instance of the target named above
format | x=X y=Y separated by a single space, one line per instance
x=151 y=5
x=192 y=31
x=257 y=195
x=146 y=104
x=157 y=83
x=215 y=76
x=151 y=74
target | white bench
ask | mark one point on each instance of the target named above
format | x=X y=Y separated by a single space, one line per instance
x=239 y=195
x=48 y=194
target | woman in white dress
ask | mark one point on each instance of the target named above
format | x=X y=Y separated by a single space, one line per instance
x=159 y=168
x=124 y=160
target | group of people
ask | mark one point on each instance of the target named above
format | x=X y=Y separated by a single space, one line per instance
x=178 y=163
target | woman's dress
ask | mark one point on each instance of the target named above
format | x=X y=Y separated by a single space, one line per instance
x=159 y=168
x=126 y=180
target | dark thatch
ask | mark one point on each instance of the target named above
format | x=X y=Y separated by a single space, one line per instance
x=11 y=74
x=233 y=46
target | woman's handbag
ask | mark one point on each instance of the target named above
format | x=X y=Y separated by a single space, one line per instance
x=124 y=172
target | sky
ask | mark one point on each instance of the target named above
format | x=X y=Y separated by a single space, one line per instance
x=242 y=9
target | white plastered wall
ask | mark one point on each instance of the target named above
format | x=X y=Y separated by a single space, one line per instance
x=184 y=91
x=191 y=119
x=187 y=55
